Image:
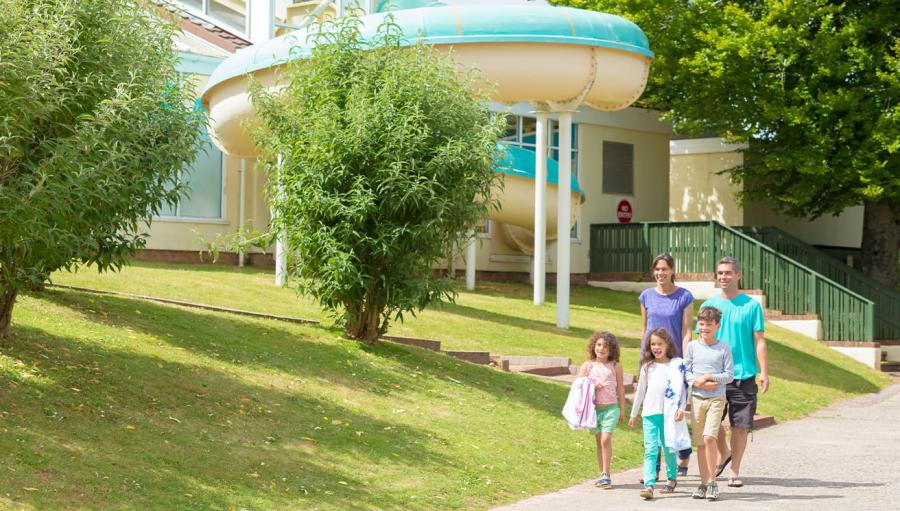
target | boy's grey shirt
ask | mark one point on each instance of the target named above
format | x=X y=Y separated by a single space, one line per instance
x=701 y=358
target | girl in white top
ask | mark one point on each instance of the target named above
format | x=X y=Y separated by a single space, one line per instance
x=661 y=394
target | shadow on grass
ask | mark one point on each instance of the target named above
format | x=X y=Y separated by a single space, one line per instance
x=101 y=427
x=513 y=321
x=806 y=368
x=275 y=345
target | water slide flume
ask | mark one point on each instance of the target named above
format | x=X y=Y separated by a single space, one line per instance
x=554 y=57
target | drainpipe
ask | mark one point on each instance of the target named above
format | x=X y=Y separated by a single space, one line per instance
x=540 y=205
x=280 y=244
x=470 y=262
x=242 y=172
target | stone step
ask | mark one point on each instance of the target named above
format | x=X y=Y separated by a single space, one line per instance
x=890 y=366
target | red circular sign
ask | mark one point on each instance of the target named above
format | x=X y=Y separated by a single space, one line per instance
x=624 y=211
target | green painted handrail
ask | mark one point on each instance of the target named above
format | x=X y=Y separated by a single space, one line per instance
x=789 y=285
x=887 y=300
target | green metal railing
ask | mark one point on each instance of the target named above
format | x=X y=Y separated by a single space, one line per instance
x=790 y=286
x=887 y=300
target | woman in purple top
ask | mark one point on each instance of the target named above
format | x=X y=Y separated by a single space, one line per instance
x=666 y=305
x=671 y=307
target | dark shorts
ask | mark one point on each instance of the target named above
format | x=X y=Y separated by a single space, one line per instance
x=741 y=397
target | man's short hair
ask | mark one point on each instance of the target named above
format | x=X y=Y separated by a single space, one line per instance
x=710 y=315
x=735 y=265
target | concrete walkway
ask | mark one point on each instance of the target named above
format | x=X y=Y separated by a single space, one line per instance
x=846 y=457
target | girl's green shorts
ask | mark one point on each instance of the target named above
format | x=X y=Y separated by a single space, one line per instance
x=607 y=419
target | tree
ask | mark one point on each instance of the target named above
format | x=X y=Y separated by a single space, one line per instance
x=812 y=85
x=95 y=124
x=387 y=156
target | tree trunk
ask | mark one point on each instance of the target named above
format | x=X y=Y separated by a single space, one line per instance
x=365 y=326
x=881 y=242
x=7 y=300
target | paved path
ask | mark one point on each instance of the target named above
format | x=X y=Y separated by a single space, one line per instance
x=846 y=458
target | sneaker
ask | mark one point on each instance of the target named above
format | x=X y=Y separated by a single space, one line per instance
x=647 y=493
x=604 y=482
x=712 y=492
x=700 y=492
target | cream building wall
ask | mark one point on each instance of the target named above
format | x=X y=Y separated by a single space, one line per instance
x=698 y=192
x=186 y=234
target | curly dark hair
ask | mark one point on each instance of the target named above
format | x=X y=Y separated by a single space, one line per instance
x=612 y=345
x=663 y=334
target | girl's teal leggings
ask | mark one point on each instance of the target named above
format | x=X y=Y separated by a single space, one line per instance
x=654 y=439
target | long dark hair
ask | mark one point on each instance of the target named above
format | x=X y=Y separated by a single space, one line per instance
x=612 y=345
x=667 y=257
x=663 y=334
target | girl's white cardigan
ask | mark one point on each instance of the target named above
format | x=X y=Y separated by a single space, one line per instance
x=675 y=399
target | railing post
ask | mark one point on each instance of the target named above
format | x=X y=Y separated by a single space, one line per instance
x=870 y=322
x=711 y=245
x=814 y=294
x=757 y=254
x=648 y=255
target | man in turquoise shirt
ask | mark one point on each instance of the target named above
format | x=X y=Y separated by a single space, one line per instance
x=742 y=329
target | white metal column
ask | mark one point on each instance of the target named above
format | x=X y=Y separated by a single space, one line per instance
x=540 y=208
x=563 y=220
x=241 y=213
x=280 y=242
x=470 y=261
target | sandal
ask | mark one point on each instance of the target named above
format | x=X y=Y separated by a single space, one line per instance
x=682 y=471
x=735 y=482
x=721 y=466
x=670 y=486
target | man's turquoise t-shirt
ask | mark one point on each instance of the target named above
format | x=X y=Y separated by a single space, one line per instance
x=741 y=316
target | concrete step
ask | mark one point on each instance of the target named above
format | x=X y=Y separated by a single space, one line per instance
x=890 y=366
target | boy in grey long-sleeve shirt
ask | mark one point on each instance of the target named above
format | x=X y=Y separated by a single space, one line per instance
x=708 y=365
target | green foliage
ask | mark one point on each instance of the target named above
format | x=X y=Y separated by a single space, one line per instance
x=95 y=124
x=811 y=84
x=388 y=154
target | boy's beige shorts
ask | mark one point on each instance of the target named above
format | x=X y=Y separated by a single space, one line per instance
x=706 y=416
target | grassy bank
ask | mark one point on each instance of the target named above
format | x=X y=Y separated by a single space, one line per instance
x=114 y=403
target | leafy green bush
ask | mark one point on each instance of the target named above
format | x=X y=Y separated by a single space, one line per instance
x=95 y=124
x=388 y=154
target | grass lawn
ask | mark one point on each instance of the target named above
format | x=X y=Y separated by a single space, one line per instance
x=114 y=403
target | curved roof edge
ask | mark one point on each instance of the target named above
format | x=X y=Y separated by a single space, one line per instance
x=460 y=25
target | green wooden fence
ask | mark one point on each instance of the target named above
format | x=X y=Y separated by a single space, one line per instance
x=887 y=300
x=696 y=246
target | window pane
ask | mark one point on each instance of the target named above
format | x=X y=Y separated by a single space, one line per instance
x=168 y=209
x=232 y=13
x=529 y=127
x=510 y=134
x=204 y=182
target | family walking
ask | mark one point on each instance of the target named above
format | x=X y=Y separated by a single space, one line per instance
x=716 y=373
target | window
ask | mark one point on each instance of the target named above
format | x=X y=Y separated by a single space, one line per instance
x=618 y=168
x=230 y=13
x=521 y=130
x=203 y=198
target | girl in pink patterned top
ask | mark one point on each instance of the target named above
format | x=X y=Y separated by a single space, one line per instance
x=604 y=369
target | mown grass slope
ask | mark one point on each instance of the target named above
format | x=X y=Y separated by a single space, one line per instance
x=115 y=403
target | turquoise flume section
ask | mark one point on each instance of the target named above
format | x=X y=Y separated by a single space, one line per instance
x=520 y=162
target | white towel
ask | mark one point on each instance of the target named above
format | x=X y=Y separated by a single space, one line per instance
x=677 y=436
x=579 y=409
